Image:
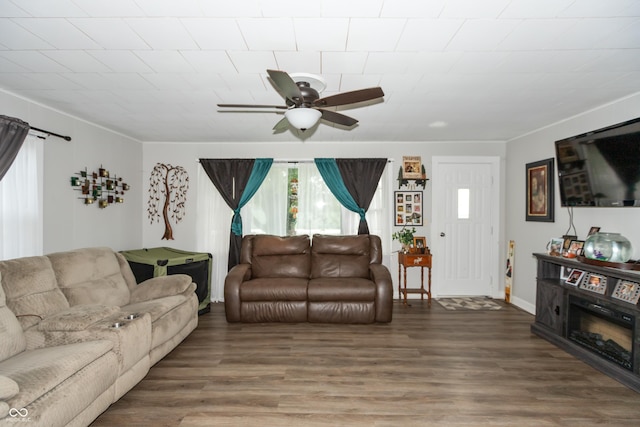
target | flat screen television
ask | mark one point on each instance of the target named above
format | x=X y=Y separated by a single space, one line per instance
x=601 y=167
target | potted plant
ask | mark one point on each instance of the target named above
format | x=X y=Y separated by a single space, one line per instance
x=405 y=237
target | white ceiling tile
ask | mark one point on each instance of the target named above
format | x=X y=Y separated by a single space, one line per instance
x=482 y=34
x=351 y=82
x=587 y=33
x=34 y=61
x=534 y=34
x=616 y=60
x=51 y=9
x=58 y=32
x=343 y=62
x=601 y=9
x=546 y=61
x=333 y=30
x=212 y=33
x=165 y=61
x=122 y=61
x=76 y=60
x=210 y=61
x=204 y=81
x=353 y=8
x=374 y=34
x=253 y=62
x=170 y=7
x=433 y=62
x=474 y=9
x=229 y=9
x=239 y=83
x=110 y=9
x=428 y=34
x=52 y=81
x=16 y=81
x=527 y=9
x=162 y=33
x=299 y=62
x=9 y=10
x=628 y=37
x=268 y=34
x=10 y=67
x=93 y=81
x=16 y=37
x=290 y=8
x=165 y=81
x=127 y=81
x=412 y=8
x=389 y=62
x=478 y=62
x=110 y=33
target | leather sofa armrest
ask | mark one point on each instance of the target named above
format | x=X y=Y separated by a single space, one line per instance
x=384 y=292
x=238 y=274
x=163 y=286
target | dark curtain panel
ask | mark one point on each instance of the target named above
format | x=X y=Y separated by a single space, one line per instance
x=12 y=134
x=361 y=177
x=230 y=177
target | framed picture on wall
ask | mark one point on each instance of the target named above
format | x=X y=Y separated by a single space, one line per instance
x=408 y=208
x=539 y=191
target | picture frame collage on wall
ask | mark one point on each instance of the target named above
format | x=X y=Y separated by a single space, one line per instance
x=408 y=208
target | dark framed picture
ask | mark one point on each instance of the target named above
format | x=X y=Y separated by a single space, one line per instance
x=593 y=230
x=539 y=195
x=408 y=208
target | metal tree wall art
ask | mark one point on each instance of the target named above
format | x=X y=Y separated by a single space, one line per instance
x=172 y=182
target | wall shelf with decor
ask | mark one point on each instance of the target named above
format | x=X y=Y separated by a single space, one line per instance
x=412 y=173
x=100 y=187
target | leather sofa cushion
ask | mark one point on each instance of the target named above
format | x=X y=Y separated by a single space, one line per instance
x=341 y=289
x=280 y=289
x=340 y=256
x=275 y=256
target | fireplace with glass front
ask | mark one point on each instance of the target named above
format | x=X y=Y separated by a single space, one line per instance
x=592 y=324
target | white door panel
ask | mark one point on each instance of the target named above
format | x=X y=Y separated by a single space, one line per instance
x=462 y=226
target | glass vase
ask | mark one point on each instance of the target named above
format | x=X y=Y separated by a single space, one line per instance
x=611 y=247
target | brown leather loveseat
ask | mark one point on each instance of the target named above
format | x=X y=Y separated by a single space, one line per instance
x=337 y=279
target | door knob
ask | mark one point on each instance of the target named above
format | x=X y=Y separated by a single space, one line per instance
x=442 y=234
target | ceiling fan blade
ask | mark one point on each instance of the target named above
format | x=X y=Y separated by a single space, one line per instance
x=340 y=119
x=350 y=97
x=283 y=107
x=281 y=126
x=286 y=86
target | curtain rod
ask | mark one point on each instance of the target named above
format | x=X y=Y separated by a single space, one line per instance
x=298 y=161
x=66 y=138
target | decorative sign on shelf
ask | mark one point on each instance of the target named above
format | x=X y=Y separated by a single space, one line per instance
x=412 y=173
x=100 y=187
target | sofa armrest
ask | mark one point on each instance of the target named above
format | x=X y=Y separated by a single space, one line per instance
x=162 y=286
x=384 y=292
x=238 y=274
x=8 y=389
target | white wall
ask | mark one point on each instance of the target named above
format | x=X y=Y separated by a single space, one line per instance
x=186 y=155
x=68 y=223
x=532 y=237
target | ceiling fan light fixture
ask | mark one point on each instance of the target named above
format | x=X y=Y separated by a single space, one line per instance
x=303 y=118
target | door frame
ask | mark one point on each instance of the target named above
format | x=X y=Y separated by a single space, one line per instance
x=493 y=246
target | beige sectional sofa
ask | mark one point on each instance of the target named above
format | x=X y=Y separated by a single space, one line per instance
x=76 y=333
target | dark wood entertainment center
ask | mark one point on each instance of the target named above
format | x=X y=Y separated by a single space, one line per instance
x=562 y=308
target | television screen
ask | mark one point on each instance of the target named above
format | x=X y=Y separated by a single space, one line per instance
x=602 y=167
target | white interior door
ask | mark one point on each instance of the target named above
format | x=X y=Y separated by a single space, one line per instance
x=464 y=214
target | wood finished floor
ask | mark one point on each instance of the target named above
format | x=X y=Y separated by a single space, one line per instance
x=429 y=367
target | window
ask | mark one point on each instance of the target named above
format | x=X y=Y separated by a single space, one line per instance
x=21 y=210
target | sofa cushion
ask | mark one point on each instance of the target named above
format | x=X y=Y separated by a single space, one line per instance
x=341 y=289
x=340 y=256
x=12 y=340
x=39 y=371
x=31 y=289
x=90 y=276
x=275 y=256
x=280 y=289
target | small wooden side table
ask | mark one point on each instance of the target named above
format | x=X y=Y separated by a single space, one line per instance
x=414 y=260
